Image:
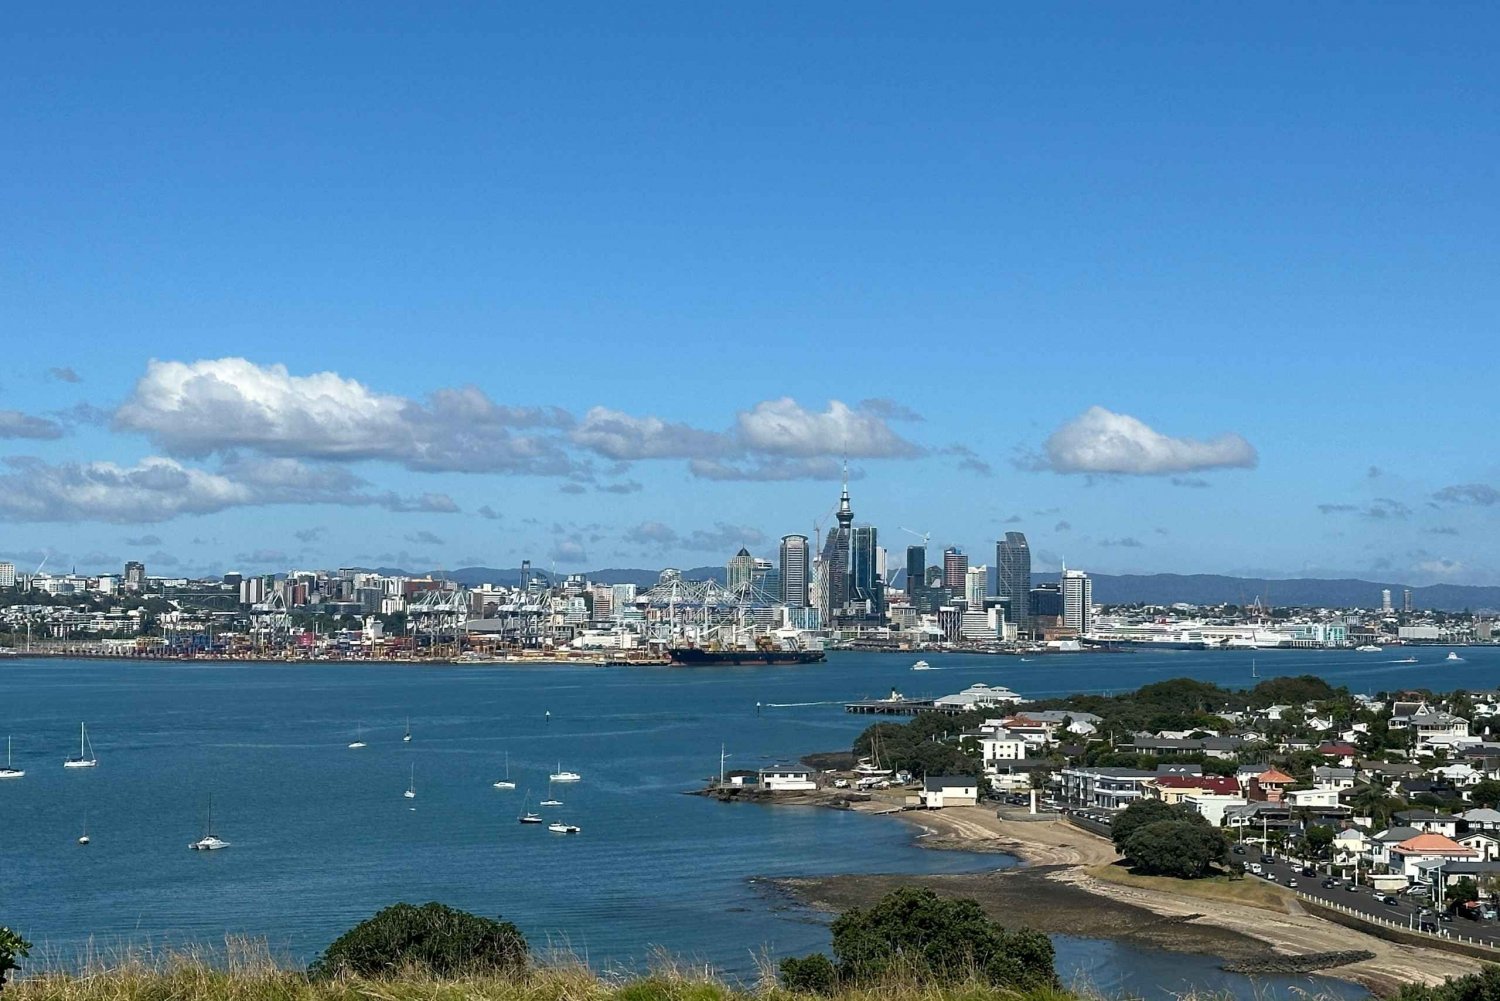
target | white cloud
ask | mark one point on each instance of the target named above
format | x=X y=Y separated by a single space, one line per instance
x=785 y=427
x=1099 y=441
x=617 y=435
x=215 y=405
x=766 y=470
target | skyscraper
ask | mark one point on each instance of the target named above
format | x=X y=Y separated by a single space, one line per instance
x=739 y=569
x=1385 y=599
x=1406 y=599
x=955 y=570
x=7 y=575
x=794 y=554
x=916 y=578
x=1013 y=578
x=1078 y=601
x=835 y=563
x=976 y=583
x=866 y=588
x=135 y=576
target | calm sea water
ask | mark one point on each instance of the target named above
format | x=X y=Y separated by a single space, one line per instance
x=322 y=836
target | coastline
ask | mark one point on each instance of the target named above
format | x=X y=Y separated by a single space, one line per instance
x=1056 y=890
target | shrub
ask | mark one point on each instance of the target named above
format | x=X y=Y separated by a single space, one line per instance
x=12 y=948
x=432 y=938
x=809 y=974
x=1175 y=847
x=917 y=933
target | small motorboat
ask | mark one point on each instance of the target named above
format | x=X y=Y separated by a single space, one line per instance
x=562 y=776
x=1453 y=656
x=921 y=665
x=563 y=828
x=1368 y=648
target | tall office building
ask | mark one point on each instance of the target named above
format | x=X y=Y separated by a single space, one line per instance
x=1078 y=601
x=866 y=587
x=7 y=575
x=739 y=570
x=1385 y=599
x=794 y=571
x=916 y=578
x=1013 y=578
x=135 y=576
x=1406 y=599
x=976 y=584
x=955 y=570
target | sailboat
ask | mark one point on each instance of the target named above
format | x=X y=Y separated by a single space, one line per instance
x=407 y=738
x=85 y=757
x=506 y=783
x=527 y=817
x=551 y=800
x=359 y=738
x=562 y=776
x=8 y=772
x=83 y=838
x=411 y=787
x=209 y=841
x=1253 y=672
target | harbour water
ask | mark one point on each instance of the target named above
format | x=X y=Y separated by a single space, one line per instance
x=322 y=836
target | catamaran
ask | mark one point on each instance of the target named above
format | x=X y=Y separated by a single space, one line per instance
x=85 y=757
x=411 y=787
x=359 y=738
x=562 y=776
x=8 y=772
x=527 y=817
x=209 y=842
x=561 y=828
x=506 y=783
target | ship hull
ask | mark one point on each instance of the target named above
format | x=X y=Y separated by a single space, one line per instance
x=694 y=657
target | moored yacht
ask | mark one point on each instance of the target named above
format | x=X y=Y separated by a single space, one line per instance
x=505 y=783
x=561 y=828
x=210 y=842
x=562 y=776
x=85 y=757
x=8 y=772
x=527 y=817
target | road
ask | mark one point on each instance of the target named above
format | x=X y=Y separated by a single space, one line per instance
x=1363 y=899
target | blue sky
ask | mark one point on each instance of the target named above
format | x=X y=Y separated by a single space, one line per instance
x=1169 y=289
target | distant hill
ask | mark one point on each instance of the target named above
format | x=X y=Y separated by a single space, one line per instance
x=1109 y=589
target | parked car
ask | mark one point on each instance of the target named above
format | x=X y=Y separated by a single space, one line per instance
x=1239 y=849
x=1267 y=859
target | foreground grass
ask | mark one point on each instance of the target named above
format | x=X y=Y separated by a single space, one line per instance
x=253 y=977
x=1251 y=892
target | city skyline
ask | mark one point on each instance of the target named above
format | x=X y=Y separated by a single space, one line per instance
x=527 y=294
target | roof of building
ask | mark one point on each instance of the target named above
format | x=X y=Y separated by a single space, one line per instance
x=1208 y=783
x=1272 y=775
x=937 y=783
x=1396 y=834
x=1338 y=748
x=1424 y=816
x=1333 y=772
x=785 y=769
x=1433 y=844
x=1481 y=815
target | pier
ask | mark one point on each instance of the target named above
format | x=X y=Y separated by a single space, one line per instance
x=902 y=707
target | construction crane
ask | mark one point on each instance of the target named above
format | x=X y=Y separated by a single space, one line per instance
x=924 y=536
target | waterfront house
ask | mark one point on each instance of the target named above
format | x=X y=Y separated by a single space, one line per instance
x=1406 y=856
x=979 y=696
x=997 y=748
x=1349 y=846
x=1429 y=823
x=1212 y=806
x=941 y=791
x=786 y=778
x=1174 y=789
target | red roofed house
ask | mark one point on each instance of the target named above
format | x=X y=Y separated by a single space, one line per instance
x=1269 y=786
x=1406 y=855
x=1341 y=752
x=1172 y=789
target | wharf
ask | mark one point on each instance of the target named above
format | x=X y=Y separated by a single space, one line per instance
x=902 y=707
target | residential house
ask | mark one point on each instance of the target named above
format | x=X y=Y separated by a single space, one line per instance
x=1339 y=753
x=1349 y=846
x=1480 y=819
x=1438 y=729
x=1486 y=843
x=999 y=748
x=1429 y=823
x=1380 y=844
x=1308 y=799
x=1213 y=806
x=1460 y=774
x=1330 y=777
x=949 y=790
x=1405 y=857
x=786 y=778
x=1269 y=786
x=1173 y=789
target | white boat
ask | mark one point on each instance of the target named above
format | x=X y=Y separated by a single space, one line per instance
x=527 y=817
x=506 y=783
x=85 y=757
x=551 y=799
x=921 y=665
x=406 y=739
x=411 y=787
x=210 y=842
x=8 y=772
x=560 y=828
x=1405 y=660
x=83 y=838
x=359 y=738
x=1453 y=656
x=1368 y=648
x=562 y=776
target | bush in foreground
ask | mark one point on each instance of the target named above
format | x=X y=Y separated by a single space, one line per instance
x=809 y=974
x=12 y=948
x=915 y=935
x=433 y=938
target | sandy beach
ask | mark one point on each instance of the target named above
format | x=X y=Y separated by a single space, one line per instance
x=1056 y=890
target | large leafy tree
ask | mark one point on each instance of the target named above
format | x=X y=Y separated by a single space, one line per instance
x=914 y=932
x=1141 y=813
x=433 y=938
x=1178 y=848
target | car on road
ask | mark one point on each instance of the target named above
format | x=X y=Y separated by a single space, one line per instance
x=1267 y=859
x=1352 y=888
x=1328 y=884
x=1292 y=881
x=1239 y=849
x=1390 y=901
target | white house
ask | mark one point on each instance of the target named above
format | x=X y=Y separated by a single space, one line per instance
x=1311 y=798
x=1211 y=806
x=1348 y=846
x=1461 y=774
x=1481 y=819
x=949 y=790
x=1486 y=843
x=1330 y=777
x=1406 y=856
x=997 y=748
x=1432 y=730
x=787 y=778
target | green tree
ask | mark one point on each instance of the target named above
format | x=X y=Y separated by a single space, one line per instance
x=1486 y=792
x=1140 y=814
x=1319 y=839
x=12 y=948
x=809 y=974
x=1462 y=892
x=1177 y=848
x=916 y=932
x=433 y=938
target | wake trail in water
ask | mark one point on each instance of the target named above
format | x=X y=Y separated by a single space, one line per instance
x=797 y=705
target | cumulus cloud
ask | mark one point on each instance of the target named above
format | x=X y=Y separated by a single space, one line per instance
x=1386 y=507
x=568 y=550
x=1478 y=494
x=617 y=435
x=14 y=424
x=215 y=405
x=785 y=427
x=1337 y=508
x=63 y=373
x=889 y=410
x=308 y=536
x=1102 y=442
x=573 y=488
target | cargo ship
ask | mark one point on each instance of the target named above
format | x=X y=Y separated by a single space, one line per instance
x=692 y=656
